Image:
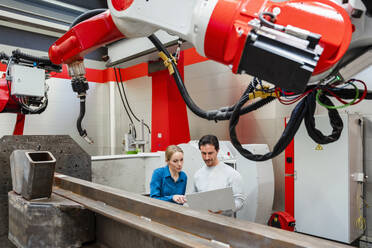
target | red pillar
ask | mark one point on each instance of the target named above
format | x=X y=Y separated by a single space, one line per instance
x=169 y=122
x=289 y=178
x=20 y=124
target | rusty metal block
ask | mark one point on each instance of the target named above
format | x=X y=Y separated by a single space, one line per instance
x=38 y=174
x=49 y=222
x=17 y=164
x=71 y=159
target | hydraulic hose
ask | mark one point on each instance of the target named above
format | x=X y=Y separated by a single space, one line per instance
x=223 y=113
x=254 y=106
x=181 y=87
x=296 y=117
x=334 y=118
x=350 y=94
x=82 y=132
x=303 y=110
x=4 y=56
x=20 y=55
x=86 y=15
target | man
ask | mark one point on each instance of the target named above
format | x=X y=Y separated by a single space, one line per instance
x=217 y=175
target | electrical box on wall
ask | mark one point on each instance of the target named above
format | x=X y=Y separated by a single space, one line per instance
x=27 y=81
x=328 y=186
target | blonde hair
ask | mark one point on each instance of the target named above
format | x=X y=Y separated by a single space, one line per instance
x=172 y=149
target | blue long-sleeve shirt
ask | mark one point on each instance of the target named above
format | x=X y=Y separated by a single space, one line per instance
x=163 y=187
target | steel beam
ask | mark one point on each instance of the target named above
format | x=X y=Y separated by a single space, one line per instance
x=178 y=225
x=169 y=234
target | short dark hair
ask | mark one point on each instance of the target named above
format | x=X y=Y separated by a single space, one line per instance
x=209 y=139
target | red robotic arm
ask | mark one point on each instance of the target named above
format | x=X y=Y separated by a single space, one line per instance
x=283 y=43
x=83 y=38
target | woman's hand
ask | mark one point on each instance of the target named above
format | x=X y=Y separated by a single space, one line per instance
x=180 y=199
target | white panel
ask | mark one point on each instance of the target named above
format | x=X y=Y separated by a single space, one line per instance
x=355 y=133
x=27 y=81
x=323 y=185
x=150 y=165
x=367 y=123
x=258 y=180
x=127 y=172
x=192 y=163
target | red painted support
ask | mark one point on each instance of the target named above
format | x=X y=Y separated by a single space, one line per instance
x=169 y=116
x=289 y=178
x=20 y=124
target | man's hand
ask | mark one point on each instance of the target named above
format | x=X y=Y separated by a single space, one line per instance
x=180 y=199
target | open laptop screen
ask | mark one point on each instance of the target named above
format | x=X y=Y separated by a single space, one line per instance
x=214 y=200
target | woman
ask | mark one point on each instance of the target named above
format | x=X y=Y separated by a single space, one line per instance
x=168 y=183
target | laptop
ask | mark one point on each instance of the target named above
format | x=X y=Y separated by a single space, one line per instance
x=214 y=200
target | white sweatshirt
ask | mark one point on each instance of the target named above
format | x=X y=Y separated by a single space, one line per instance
x=218 y=177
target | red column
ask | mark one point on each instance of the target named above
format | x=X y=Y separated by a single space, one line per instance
x=20 y=124
x=289 y=178
x=169 y=122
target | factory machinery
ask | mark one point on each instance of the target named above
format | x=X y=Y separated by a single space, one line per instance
x=307 y=43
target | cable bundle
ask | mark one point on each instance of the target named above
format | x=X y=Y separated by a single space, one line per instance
x=304 y=110
x=126 y=104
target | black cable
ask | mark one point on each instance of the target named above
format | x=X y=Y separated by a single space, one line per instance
x=189 y=102
x=18 y=54
x=86 y=15
x=368 y=5
x=290 y=130
x=334 y=117
x=270 y=23
x=266 y=22
x=304 y=110
x=126 y=100
x=223 y=113
x=350 y=94
x=4 y=56
x=125 y=107
x=81 y=131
